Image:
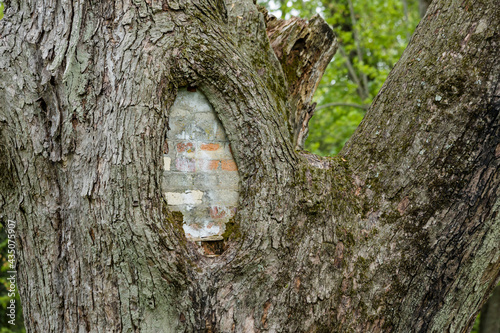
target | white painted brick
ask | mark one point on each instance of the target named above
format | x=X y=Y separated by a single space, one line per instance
x=174 y=198
x=166 y=163
x=193 y=197
x=194 y=231
x=192 y=101
x=223 y=197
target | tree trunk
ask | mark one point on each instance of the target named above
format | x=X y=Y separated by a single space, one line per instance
x=398 y=233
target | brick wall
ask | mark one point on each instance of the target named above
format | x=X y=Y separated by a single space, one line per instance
x=201 y=177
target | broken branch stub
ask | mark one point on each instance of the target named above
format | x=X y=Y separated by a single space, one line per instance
x=304 y=49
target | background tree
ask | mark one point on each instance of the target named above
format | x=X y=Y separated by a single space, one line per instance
x=389 y=236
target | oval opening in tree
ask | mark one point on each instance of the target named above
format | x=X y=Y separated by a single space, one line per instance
x=201 y=176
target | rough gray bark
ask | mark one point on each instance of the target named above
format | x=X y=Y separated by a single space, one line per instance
x=391 y=235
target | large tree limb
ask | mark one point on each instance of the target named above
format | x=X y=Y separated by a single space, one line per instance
x=429 y=146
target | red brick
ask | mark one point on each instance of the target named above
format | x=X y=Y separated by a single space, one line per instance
x=185 y=147
x=217 y=212
x=229 y=165
x=208 y=165
x=210 y=146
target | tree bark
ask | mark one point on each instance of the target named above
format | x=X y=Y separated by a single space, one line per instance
x=389 y=236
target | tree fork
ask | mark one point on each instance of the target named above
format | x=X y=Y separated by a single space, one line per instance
x=391 y=235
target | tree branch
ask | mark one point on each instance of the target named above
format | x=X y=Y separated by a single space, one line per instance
x=439 y=107
x=304 y=49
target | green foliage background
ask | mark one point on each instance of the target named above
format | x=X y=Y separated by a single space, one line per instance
x=372 y=36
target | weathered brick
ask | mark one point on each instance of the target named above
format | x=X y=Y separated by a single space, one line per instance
x=185 y=147
x=221 y=153
x=199 y=231
x=207 y=126
x=189 y=129
x=166 y=163
x=209 y=146
x=187 y=198
x=177 y=128
x=220 y=134
x=207 y=165
x=201 y=178
x=178 y=112
x=207 y=155
x=229 y=165
x=222 y=213
x=228 y=180
x=222 y=197
x=191 y=101
x=206 y=180
x=179 y=180
x=217 y=212
x=228 y=153
x=185 y=164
